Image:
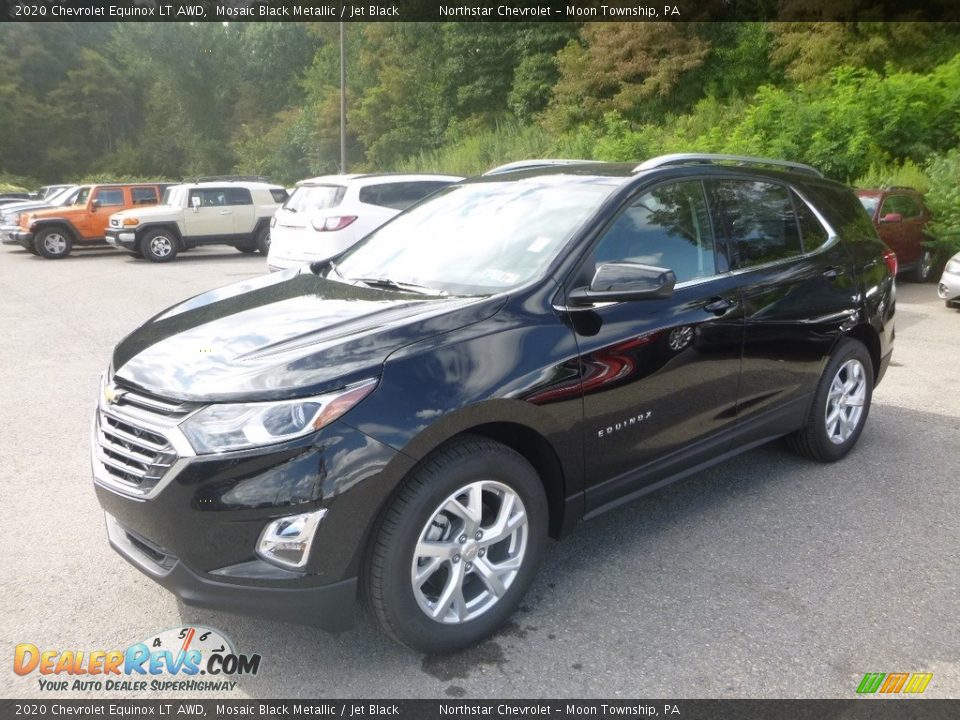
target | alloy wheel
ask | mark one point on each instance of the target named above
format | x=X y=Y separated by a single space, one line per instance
x=55 y=243
x=469 y=552
x=845 y=401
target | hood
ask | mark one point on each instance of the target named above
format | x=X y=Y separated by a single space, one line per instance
x=145 y=211
x=11 y=209
x=283 y=335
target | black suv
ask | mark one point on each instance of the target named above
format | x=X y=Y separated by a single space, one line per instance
x=412 y=420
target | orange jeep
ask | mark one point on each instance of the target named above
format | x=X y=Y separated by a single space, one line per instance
x=53 y=233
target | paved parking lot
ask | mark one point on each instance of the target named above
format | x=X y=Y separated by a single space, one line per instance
x=768 y=576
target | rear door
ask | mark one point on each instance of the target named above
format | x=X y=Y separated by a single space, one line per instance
x=659 y=375
x=796 y=288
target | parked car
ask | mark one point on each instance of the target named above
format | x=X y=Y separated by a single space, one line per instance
x=233 y=213
x=410 y=422
x=949 y=287
x=326 y=215
x=48 y=191
x=54 y=232
x=901 y=218
x=10 y=214
x=13 y=197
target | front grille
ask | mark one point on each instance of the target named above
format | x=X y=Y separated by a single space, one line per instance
x=131 y=454
x=130 y=397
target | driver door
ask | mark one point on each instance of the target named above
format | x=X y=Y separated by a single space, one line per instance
x=659 y=375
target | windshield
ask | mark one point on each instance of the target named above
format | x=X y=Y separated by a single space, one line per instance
x=307 y=198
x=477 y=238
x=62 y=197
x=869 y=203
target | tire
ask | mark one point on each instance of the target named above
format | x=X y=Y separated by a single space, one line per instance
x=159 y=246
x=924 y=271
x=469 y=470
x=263 y=240
x=247 y=249
x=845 y=388
x=53 y=243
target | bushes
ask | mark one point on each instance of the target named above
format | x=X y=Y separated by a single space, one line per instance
x=943 y=199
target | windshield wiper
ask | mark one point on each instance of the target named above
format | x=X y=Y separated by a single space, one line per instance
x=387 y=283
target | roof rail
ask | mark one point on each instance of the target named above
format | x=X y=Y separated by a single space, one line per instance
x=711 y=158
x=232 y=178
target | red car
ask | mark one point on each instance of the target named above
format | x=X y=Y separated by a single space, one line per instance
x=900 y=218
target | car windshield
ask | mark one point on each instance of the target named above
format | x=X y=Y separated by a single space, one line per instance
x=307 y=198
x=869 y=203
x=477 y=238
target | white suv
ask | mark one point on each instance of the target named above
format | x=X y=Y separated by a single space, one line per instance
x=326 y=215
x=205 y=213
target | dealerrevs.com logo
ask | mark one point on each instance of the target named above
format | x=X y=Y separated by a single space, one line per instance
x=191 y=659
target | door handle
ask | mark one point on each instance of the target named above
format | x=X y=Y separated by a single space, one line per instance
x=833 y=272
x=719 y=305
x=226 y=212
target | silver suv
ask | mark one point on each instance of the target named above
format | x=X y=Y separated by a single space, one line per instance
x=205 y=213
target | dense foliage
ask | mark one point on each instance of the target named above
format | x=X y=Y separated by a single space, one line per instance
x=859 y=100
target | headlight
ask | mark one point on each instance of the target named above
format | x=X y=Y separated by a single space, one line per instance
x=953 y=266
x=237 y=426
x=273 y=221
x=130 y=222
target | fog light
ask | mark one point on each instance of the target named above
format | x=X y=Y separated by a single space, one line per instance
x=287 y=541
x=127 y=236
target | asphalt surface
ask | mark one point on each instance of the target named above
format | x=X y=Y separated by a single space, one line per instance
x=768 y=576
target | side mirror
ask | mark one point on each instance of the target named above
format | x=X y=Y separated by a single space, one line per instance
x=619 y=282
x=892 y=218
x=95 y=205
x=195 y=203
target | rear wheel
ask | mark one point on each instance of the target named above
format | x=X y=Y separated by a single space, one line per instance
x=53 y=243
x=263 y=240
x=458 y=548
x=159 y=246
x=924 y=271
x=840 y=405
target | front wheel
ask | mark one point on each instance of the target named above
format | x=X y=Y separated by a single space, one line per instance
x=159 y=246
x=840 y=406
x=458 y=548
x=53 y=243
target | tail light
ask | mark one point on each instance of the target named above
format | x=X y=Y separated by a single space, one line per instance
x=330 y=224
x=890 y=258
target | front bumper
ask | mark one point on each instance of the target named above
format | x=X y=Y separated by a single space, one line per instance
x=329 y=607
x=126 y=239
x=8 y=234
x=23 y=239
x=195 y=531
x=949 y=287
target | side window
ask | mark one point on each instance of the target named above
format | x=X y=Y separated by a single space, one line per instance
x=279 y=196
x=209 y=197
x=668 y=227
x=108 y=197
x=757 y=220
x=239 y=196
x=812 y=232
x=905 y=205
x=399 y=196
x=144 y=195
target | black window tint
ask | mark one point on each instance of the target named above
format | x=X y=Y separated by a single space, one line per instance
x=757 y=220
x=110 y=197
x=144 y=196
x=239 y=196
x=811 y=230
x=668 y=227
x=905 y=205
x=399 y=196
x=279 y=196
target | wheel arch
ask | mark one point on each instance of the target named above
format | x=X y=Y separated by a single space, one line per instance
x=48 y=223
x=868 y=335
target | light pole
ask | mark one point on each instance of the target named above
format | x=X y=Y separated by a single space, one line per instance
x=343 y=100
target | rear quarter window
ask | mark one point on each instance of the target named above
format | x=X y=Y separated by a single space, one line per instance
x=279 y=196
x=843 y=210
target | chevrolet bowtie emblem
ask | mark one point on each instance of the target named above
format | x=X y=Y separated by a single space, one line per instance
x=111 y=394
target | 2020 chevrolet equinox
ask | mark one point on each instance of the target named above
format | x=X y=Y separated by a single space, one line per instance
x=409 y=422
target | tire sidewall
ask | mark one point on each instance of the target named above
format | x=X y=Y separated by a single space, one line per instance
x=848 y=349
x=263 y=240
x=405 y=616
